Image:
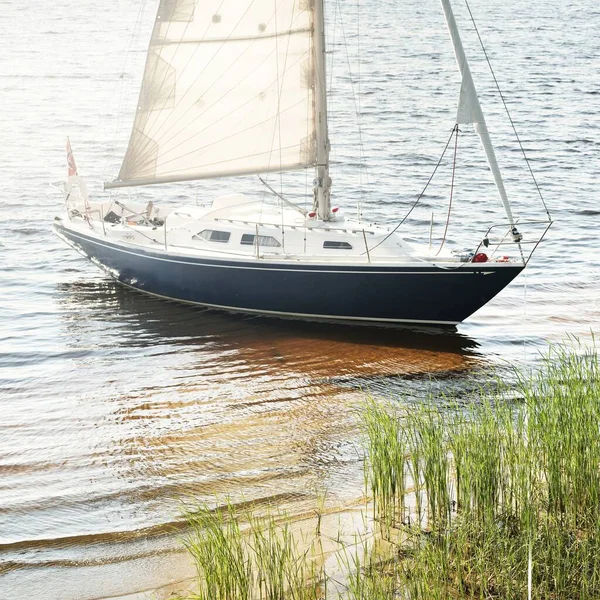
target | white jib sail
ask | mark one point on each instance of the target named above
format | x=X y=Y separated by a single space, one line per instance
x=469 y=108
x=227 y=89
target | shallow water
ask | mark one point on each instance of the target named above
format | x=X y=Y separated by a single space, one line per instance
x=116 y=407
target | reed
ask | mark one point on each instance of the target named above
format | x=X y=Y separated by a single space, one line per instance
x=501 y=490
x=498 y=498
x=244 y=556
x=218 y=548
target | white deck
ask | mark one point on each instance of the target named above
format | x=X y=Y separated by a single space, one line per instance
x=253 y=230
x=236 y=227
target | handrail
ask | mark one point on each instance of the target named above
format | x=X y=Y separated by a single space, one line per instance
x=300 y=226
x=496 y=245
x=539 y=242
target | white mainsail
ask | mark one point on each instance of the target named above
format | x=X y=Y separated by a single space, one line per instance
x=228 y=89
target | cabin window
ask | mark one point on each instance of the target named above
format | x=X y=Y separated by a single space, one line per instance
x=337 y=245
x=249 y=239
x=211 y=235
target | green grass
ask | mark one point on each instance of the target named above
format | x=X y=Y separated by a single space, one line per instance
x=243 y=556
x=495 y=499
x=487 y=496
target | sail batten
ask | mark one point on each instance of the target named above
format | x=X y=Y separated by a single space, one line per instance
x=238 y=39
x=228 y=83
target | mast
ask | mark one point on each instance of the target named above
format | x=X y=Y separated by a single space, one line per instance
x=322 y=180
x=469 y=111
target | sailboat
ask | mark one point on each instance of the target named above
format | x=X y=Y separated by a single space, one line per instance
x=238 y=87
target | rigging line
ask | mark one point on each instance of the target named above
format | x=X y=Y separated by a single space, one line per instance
x=310 y=127
x=420 y=195
x=356 y=109
x=360 y=181
x=331 y=100
x=164 y=78
x=281 y=197
x=147 y=147
x=137 y=27
x=277 y=124
x=305 y=195
x=457 y=130
x=507 y=111
x=142 y=158
x=332 y=46
x=155 y=133
x=124 y=92
x=279 y=92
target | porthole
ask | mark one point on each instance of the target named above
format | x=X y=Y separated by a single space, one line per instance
x=211 y=235
x=337 y=245
x=249 y=239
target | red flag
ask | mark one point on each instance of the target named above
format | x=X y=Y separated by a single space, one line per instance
x=72 y=168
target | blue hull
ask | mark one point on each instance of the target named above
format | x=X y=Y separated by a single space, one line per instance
x=363 y=293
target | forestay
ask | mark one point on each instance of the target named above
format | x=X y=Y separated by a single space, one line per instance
x=227 y=89
x=469 y=111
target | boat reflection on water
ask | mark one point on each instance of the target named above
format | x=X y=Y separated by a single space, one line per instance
x=159 y=403
x=209 y=403
x=301 y=347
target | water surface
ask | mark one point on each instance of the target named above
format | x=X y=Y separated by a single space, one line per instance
x=116 y=407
